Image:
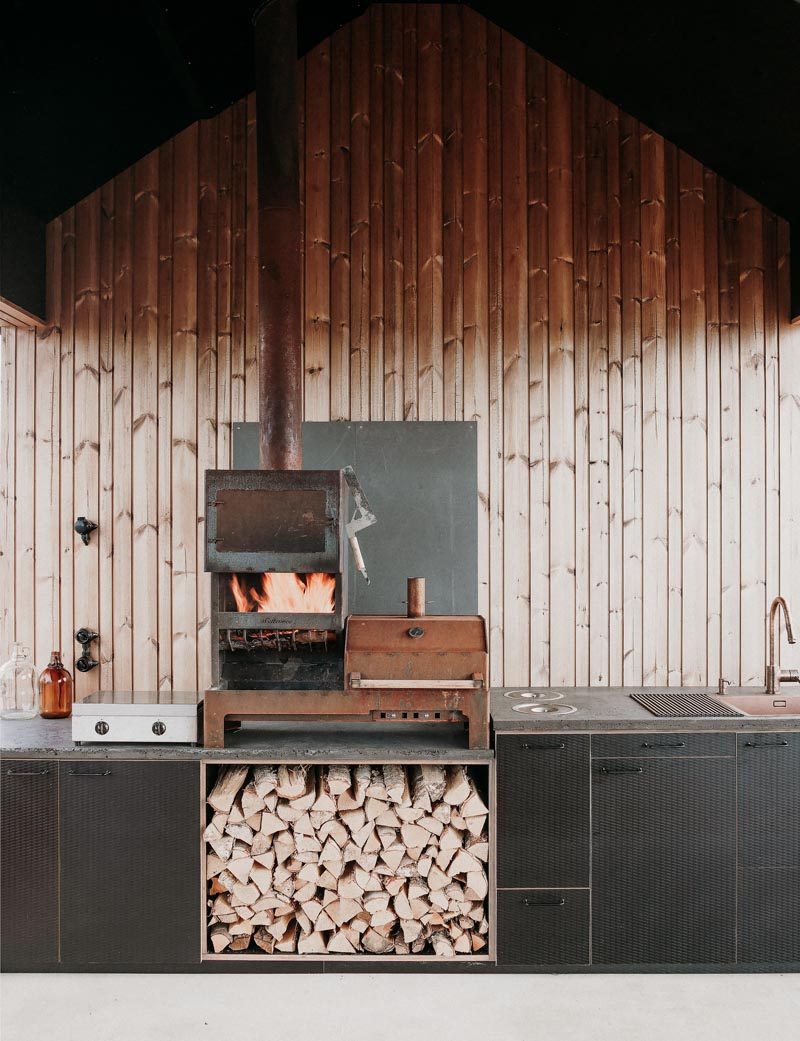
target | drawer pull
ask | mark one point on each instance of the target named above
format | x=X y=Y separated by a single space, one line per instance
x=553 y=901
x=28 y=773
x=766 y=744
x=90 y=773
x=544 y=748
x=664 y=744
x=621 y=769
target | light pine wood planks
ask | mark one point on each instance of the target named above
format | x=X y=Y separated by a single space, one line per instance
x=485 y=239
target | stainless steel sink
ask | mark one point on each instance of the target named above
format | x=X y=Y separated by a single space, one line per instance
x=763 y=704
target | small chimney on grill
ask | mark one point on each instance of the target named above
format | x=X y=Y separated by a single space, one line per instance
x=279 y=350
x=416 y=598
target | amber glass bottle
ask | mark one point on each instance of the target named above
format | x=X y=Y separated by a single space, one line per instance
x=55 y=690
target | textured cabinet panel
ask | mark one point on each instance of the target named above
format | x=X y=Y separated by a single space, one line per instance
x=769 y=915
x=663 y=861
x=543 y=927
x=769 y=800
x=542 y=811
x=130 y=862
x=28 y=863
x=657 y=746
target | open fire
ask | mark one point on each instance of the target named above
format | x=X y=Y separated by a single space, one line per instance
x=276 y=593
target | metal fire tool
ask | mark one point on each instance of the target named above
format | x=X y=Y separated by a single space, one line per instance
x=363 y=517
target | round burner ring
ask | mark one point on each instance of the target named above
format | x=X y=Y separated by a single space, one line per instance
x=534 y=695
x=550 y=710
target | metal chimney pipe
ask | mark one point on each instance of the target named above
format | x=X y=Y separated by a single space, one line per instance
x=280 y=388
x=416 y=598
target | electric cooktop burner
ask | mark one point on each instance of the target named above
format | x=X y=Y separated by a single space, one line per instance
x=550 y=710
x=534 y=695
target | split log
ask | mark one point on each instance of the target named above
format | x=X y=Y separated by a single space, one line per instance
x=457 y=788
x=229 y=781
x=292 y=781
x=265 y=780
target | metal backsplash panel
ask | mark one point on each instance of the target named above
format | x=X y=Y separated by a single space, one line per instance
x=421 y=480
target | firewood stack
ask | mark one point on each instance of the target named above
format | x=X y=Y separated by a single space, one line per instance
x=368 y=860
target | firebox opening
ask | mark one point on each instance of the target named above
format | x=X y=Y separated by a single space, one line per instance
x=282 y=593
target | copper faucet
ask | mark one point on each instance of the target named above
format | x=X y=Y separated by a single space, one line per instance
x=775 y=674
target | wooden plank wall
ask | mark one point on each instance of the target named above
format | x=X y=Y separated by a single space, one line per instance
x=485 y=239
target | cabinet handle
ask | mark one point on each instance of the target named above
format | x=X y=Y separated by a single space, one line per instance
x=544 y=748
x=90 y=773
x=28 y=773
x=664 y=744
x=556 y=901
x=620 y=769
x=766 y=744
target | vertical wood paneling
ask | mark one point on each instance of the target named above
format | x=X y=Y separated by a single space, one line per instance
x=184 y=411
x=655 y=561
x=538 y=370
x=318 y=237
x=598 y=464
x=516 y=501
x=452 y=213
x=476 y=294
x=340 y=226
x=615 y=467
x=86 y=475
x=207 y=215
x=122 y=571
x=630 y=227
x=484 y=239
x=495 y=341
x=562 y=380
x=674 y=486
x=164 y=492
x=693 y=425
x=751 y=438
x=360 y=221
x=47 y=423
x=145 y=425
x=25 y=485
x=105 y=515
x=429 y=213
x=8 y=437
x=730 y=605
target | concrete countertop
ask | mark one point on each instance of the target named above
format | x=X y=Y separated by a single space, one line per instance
x=281 y=742
x=612 y=708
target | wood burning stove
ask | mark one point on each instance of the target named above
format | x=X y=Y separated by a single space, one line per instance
x=276 y=552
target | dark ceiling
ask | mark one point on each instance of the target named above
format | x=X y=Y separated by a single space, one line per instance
x=89 y=88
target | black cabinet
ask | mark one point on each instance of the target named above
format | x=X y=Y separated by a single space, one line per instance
x=663 y=860
x=769 y=847
x=130 y=863
x=543 y=927
x=29 y=863
x=542 y=811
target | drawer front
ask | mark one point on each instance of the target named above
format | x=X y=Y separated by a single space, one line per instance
x=543 y=927
x=769 y=915
x=651 y=746
x=542 y=811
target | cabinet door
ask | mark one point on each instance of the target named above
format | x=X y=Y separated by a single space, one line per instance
x=769 y=848
x=28 y=863
x=542 y=811
x=130 y=863
x=663 y=861
x=543 y=927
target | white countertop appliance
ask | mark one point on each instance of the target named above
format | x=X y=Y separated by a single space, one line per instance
x=155 y=717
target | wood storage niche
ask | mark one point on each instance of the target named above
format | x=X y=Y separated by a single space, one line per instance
x=333 y=861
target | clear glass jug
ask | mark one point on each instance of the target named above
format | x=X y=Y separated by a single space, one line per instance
x=19 y=693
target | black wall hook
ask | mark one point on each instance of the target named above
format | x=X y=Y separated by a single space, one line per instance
x=84 y=528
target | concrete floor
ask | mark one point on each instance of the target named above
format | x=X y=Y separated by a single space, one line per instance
x=399 y=1008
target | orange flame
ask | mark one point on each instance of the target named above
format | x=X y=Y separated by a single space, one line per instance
x=287 y=594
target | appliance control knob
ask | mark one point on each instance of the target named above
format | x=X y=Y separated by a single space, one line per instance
x=159 y=728
x=101 y=727
x=416 y=632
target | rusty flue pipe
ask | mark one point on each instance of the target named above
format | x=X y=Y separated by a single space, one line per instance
x=280 y=374
x=416 y=598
